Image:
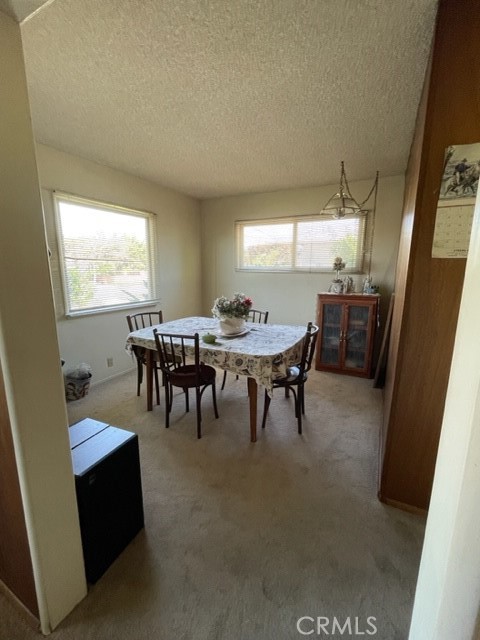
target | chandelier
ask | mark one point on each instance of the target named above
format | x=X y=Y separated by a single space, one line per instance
x=343 y=203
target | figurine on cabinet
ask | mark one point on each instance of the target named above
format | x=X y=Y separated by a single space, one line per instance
x=368 y=287
x=336 y=286
x=348 y=285
x=367 y=283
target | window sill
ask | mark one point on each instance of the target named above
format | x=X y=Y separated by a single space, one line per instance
x=123 y=307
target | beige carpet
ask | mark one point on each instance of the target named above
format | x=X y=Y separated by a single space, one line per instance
x=243 y=539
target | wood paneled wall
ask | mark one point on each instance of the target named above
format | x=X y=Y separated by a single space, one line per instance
x=428 y=290
x=15 y=560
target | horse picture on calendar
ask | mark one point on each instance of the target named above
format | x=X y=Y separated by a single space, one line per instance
x=461 y=172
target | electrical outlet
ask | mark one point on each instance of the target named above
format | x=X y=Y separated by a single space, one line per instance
x=109 y=362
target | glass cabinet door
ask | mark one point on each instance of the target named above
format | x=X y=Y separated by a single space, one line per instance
x=347 y=330
x=331 y=333
x=356 y=337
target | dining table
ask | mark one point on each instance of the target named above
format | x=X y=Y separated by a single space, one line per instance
x=261 y=352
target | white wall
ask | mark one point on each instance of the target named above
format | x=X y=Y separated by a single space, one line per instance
x=29 y=354
x=447 y=599
x=94 y=338
x=291 y=298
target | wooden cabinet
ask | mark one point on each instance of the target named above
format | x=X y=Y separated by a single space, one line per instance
x=347 y=330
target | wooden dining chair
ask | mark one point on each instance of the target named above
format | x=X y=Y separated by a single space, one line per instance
x=258 y=316
x=177 y=373
x=142 y=321
x=254 y=316
x=296 y=377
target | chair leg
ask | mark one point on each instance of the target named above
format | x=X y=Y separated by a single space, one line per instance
x=296 y=401
x=224 y=380
x=299 y=408
x=139 y=375
x=157 y=389
x=214 y=396
x=187 y=400
x=199 y=412
x=168 y=404
x=266 y=404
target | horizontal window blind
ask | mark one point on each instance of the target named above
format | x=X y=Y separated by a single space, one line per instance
x=106 y=255
x=301 y=243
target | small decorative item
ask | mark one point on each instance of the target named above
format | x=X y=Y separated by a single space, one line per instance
x=367 y=283
x=338 y=265
x=348 y=285
x=368 y=287
x=232 y=313
x=337 y=284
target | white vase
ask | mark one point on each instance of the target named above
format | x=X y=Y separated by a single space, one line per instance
x=231 y=326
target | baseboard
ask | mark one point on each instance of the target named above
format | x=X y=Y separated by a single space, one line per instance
x=17 y=604
x=115 y=375
x=402 y=505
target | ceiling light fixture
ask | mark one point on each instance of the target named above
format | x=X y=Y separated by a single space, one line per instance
x=343 y=203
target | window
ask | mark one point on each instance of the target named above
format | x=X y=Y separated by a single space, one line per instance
x=106 y=255
x=302 y=243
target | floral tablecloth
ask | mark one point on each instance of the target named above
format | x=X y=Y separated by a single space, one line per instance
x=264 y=352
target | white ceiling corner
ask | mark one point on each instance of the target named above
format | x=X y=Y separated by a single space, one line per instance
x=20 y=10
x=220 y=98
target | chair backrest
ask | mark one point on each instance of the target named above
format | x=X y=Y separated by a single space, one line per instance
x=142 y=320
x=258 y=316
x=309 y=344
x=172 y=353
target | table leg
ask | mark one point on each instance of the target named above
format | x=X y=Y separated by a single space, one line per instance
x=149 y=373
x=252 y=395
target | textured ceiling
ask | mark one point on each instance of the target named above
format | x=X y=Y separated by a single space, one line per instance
x=217 y=98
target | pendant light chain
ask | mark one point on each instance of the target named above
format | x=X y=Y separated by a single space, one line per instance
x=374 y=190
x=343 y=201
x=343 y=176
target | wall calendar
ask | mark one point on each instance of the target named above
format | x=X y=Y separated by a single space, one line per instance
x=458 y=191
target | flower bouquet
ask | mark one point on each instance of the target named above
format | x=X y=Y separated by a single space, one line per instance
x=336 y=285
x=232 y=313
x=238 y=307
